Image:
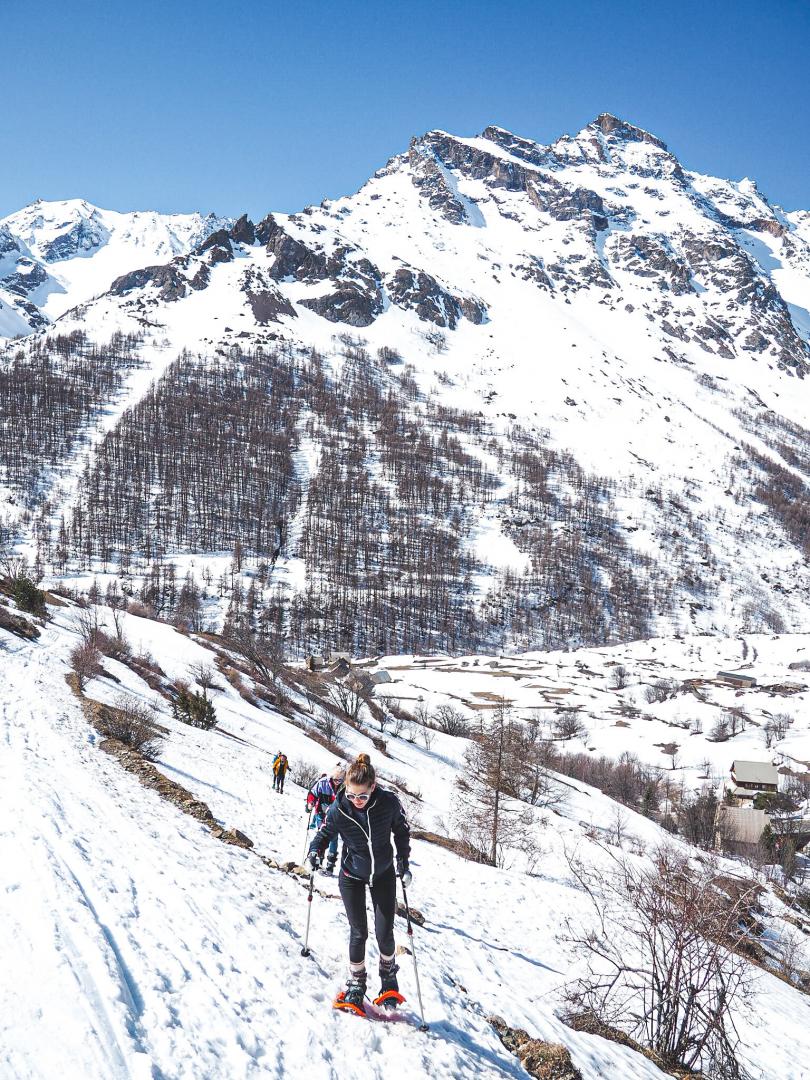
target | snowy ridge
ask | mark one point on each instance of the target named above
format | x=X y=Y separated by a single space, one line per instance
x=69 y=251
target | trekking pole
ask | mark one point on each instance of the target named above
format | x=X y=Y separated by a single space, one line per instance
x=305 y=950
x=306 y=838
x=423 y=1026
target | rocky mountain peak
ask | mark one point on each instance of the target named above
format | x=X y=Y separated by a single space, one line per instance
x=620 y=130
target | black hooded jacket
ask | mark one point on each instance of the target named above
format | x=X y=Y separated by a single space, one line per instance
x=366 y=834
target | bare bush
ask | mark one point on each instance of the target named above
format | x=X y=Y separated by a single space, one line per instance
x=619 y=677
x=674 y=977
x=627 y=780
x=328 y=726
x=775 y=728
x=204 y=675
x=568 y=725
x=92 y=634
x=660 y=690
x=133 y=723
x=422 y=715
x=738 y=719
x=671 y=750
x=450 y=721
x=347 y=697
x=85 y=660
x=719 y=731
x=304 y=773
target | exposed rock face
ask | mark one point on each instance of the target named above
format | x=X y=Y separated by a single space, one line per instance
x=520 y=148
x=27 y=278
x=612 y=125
x=652 y=257
x=350 y=304
x=85 y=236
x=9 y=245
x=265 y=230
x=356 y=299
x=217 y=240
x=167 y=279
x=769 y=225
x=562 y=202
x=266 y=302
x=721 y=263
x=243 y=231
x=533 y=270
x=294 y=260
x=418 y=291
x=433 y=185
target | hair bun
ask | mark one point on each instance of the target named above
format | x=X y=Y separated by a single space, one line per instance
x=363 y=759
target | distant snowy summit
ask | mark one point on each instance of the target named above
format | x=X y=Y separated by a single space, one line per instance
x=54 y=255
x=454 y=231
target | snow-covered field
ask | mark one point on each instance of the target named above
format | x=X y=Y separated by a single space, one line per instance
x=136 y=945
x=537 y=686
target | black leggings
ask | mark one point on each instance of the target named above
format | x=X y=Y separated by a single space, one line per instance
x=384 y=901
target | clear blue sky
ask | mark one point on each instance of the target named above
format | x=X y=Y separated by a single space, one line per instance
x=230 y=106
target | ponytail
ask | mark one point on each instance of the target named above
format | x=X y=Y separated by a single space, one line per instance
x=361 y=771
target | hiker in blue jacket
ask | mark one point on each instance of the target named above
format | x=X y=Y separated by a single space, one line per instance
x=366 y=816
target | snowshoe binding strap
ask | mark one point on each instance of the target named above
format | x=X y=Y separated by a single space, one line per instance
x=390 y=999
x=348 y=1006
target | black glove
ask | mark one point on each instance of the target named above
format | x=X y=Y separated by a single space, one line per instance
x=314 y=860
x=403 y=872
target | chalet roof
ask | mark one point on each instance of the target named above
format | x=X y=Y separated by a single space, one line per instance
x=754 y=772
x=741 y=825
x=737 y=677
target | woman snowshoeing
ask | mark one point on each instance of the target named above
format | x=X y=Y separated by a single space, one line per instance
x=365 y=817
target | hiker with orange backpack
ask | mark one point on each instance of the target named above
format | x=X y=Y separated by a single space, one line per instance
x=280 y=766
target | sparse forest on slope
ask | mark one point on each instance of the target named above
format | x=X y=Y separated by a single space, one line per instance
x=507 y=395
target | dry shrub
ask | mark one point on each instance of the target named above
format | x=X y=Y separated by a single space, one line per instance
x=675 y=977
x=304 y=773
x=85 y=660
x=132 y=723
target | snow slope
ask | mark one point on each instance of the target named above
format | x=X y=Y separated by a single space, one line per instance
x=136 y=945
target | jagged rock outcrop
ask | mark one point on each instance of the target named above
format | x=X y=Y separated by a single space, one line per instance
x=294 y=261
x=351 y=304
x=85 y=235
x=219 y=245
x=27 y=278
x=266 y=302
x=243 y=231
x=432 y=183
x=651 y=257
x=418 y=291
x=169 y=280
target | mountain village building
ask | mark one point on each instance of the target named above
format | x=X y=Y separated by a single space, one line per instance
x=749 y=778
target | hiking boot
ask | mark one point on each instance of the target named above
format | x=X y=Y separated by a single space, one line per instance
x=388 y=977
x=389 y=996
x=355 y=991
